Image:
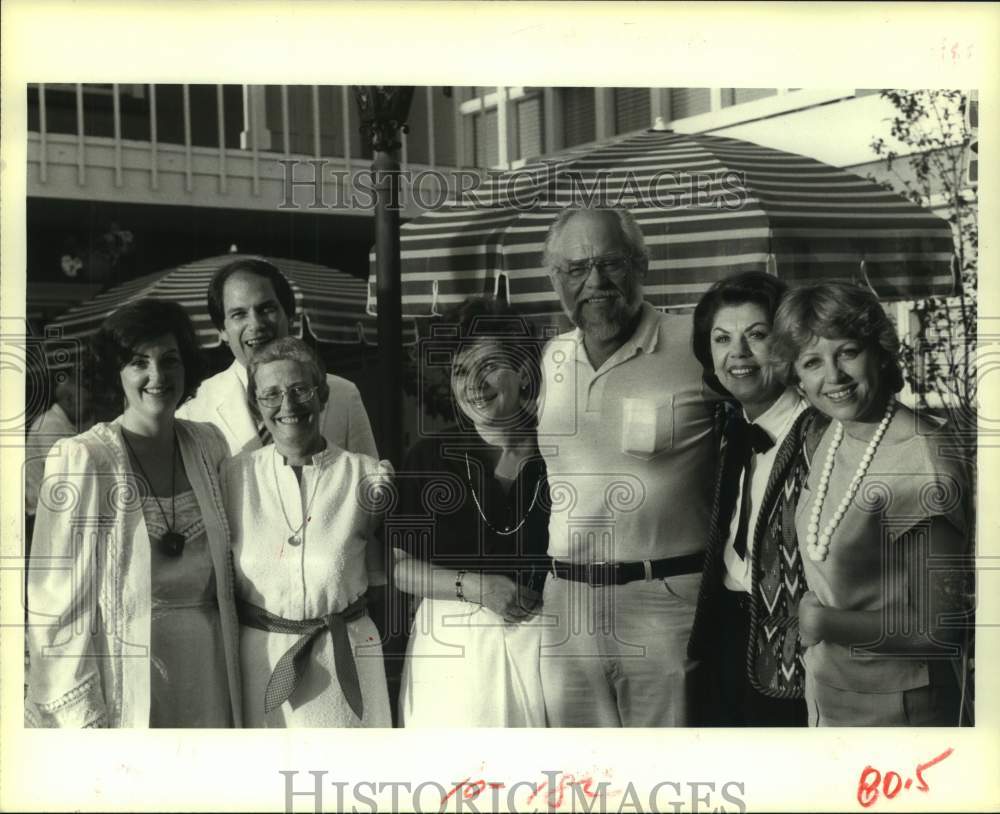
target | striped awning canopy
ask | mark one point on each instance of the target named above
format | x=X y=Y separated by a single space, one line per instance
x=330 y=302
x=708 y=206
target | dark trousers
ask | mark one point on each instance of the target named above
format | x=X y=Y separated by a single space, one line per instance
x=728 y=699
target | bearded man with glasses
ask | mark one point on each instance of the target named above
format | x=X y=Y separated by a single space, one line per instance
x=626 y=428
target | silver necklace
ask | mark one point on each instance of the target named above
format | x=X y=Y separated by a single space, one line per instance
x=295 y=538
x=508 y=531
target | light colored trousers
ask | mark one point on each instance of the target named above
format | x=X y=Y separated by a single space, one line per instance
x=937 y=704
x=617 y=656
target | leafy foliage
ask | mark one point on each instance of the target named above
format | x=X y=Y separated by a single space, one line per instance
x=939 y=355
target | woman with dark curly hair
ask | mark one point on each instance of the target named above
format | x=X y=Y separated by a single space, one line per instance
x=133 y=622
x=882 y=501
x=471 y=530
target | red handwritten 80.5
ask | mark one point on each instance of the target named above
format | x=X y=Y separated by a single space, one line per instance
x=872 y=782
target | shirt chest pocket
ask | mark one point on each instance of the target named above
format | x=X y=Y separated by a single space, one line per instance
x=647 y=426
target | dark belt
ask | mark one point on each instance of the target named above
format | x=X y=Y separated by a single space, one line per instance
x=292 y=664
x=602 y=574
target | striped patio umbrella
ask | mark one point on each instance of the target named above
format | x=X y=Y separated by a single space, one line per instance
x=708 y=206
x=330 y=302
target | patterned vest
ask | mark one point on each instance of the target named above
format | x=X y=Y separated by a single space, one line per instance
x=774 y=654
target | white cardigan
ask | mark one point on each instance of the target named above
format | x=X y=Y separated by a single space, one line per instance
x=89 y=582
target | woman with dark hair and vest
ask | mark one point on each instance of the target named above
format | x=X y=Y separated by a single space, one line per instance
x=746 y=629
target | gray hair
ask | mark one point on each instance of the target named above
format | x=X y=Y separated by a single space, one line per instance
x=288 y=348
x=635 y=243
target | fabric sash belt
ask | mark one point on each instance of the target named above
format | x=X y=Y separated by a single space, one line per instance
x=292 y=664
x=602 y=574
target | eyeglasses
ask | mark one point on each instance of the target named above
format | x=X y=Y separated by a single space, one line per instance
x=608 y=265
x=297 y=394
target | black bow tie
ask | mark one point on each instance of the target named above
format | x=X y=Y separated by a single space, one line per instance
x=744 y=440
x=745 y=435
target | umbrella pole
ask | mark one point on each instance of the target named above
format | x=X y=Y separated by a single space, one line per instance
x=383 y=110
x=390 y=310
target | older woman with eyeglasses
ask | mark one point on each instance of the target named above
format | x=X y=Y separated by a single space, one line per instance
x=303 y=515
x=884 y=499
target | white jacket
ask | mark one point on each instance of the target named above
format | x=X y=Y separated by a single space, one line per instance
x=89 y=583
x=222 y=400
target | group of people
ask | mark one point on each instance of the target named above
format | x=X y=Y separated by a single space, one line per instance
x=651 y=520
x=202 y=559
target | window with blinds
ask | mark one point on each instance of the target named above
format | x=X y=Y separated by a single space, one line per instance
x=686 y=102
x=530 y=137
x=300 y=129
x=445 y=151
x=417 y=147
x=578 y=115
x=331 y=131
x=301 y=133
x=737 y=96
x=632 y=109
x=485 y=149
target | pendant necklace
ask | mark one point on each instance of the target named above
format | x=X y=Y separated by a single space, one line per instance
x=817 y=540
x=507 y=531
x=295 y=538
x=172 y=542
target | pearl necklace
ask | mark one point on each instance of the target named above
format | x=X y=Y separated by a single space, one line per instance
x=818 y=543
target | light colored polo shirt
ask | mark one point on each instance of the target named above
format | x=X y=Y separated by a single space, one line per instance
x=777 y=422
x=629 y=447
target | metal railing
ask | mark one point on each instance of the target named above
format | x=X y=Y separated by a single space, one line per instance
x=138 y=168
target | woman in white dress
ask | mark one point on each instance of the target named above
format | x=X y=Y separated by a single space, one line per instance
x=470 y=533
x=303 y=513
x=132 y=618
